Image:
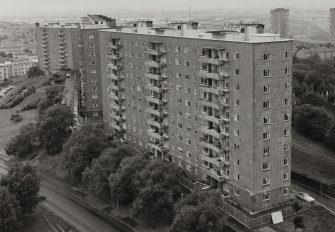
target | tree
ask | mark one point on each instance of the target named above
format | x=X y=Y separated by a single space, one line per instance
x=35 y=71
x=81 y=148
x=205 y=217
x=298 y=222
x=154 y=204
x=9 y=212
x=3 y=54
x=311 y=121
x=314 y=99
x=125 y=182
x=330 y=138
x=296 y=207
x=55 y=127
x=24 y=183
x=24 y=142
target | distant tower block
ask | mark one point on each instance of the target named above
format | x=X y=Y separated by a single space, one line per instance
x=280 y=22
x=332 y=26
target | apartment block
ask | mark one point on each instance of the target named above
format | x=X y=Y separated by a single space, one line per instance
x=15 y=68
x=217 y=103
x=280 y=22
x=76 y=46
x=57 y=46
x=332 y=26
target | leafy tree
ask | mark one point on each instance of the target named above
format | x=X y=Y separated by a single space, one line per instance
x=154 y=204
x=296 y=207
x=298 y=222
x=3 y=54
x=205 y=217
x=311 y=121
x=314 y=100
x=24 y=142
x=330 y=138
x=24 y=183
x=55 y=128
x=9 y=212
x=125 y=182
x=35 y=71
x=81 y=149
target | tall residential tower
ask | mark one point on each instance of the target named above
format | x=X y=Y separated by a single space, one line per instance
x=280 y=22
x=217 y=103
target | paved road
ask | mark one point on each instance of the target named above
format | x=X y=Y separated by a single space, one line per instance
x=325 y=201
x=79 y=217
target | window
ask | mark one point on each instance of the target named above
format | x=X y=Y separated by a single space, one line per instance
x=266 y=181
x=179 y=100
x=178 y=87
x=286 y=117
x=266 y=105
x=236 y=191
x=285 y=191
x=237 y=147
x=287 y=55
x=266 y=56
x=178 y=75
x=180 y=150
x=187 y=116
x=96 y=114
x=237 y=176
x=237 y=87
x=91 y=37
x=186 y=49
x=180 y=125
x=266 y=196
x=179 y=161
x=196 y=171
x=266 y=151
x=266 y=135
x=187 y=103
x=266 y=73
x=287 y=86
x=237 y=102
x=285 y=161
x=237 y=56
x=180 y=113
x=237 y=117
x=266 y=89
x=266 y=166
x=92 y=54
x=286 y=147
x=237 y=162
x=177 y=61
x=286 y=102
x=188 y=167
x=187 y=89
x=236 y=71
x=287 y=71
x=188 y=154
x=236 y=132
x=177 y=49
x=186 y=63
x=266 y=120
x=188 y=141
x=285 y=176
x=286 y=132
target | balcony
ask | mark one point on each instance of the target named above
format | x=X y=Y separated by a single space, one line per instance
x=209 y=103
x=115 y=46
x=154 y=64
x=217 y=175
x=155 y=146
x=223 y=104
x=154 y=52
x=115 y=116
x=216 y=161
x=117 y=87
x=114 y=56
x=210 y=75
x=225 y=133
x=154 y=134
x=223 y=119
x=212 y=118
x=154 y=123
x=116 y=78
x=116 y=98
x=154 y=88
x=212 y=146
x=154 y=100
x=116 y=67
x=117 y=127
x=157 y=112
x=222 y=90
x=211 y=60
x=155 y=76
x=209 y=89
x=114 y=106
x=204 y=129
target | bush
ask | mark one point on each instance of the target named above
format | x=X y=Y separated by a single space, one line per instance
x=31 y=105
x=16 y=118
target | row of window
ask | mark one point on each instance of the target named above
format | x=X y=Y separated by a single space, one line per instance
x=266 y=195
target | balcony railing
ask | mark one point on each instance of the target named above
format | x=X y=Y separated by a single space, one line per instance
x=154 y=64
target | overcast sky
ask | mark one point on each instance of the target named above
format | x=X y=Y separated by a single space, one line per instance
x=17 y=7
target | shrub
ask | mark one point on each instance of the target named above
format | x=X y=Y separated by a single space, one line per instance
x=16 y=118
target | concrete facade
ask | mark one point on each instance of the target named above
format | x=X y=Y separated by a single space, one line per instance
x=280 y=22
x=15 y=68
x=217 y=104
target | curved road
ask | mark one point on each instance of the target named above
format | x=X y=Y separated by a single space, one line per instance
x=82 y=219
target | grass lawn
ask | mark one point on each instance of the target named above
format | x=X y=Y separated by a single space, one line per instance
x=312 y=158
x=317 y=219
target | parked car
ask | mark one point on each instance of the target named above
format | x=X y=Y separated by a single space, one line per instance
x=305 y=197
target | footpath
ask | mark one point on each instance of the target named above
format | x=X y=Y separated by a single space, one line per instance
x=106 y=211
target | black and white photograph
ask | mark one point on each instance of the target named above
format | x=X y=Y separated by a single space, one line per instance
x=167 y=116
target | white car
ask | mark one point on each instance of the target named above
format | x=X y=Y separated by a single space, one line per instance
x=305 y=197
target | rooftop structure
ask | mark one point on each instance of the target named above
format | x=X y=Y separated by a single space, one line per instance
x=280 y=22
